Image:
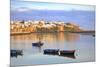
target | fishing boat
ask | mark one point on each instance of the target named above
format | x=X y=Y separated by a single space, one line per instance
x=64 y=53
x=38 y=44
x=51 y=51
x=67 y=52
x=15 y=53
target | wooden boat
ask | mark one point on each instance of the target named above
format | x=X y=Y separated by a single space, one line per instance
x=38 y=44
x=51 y=51
x=64 y=53
x=15 y=53
x=67 y=52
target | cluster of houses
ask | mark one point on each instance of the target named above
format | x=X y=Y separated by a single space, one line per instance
x=42 y=26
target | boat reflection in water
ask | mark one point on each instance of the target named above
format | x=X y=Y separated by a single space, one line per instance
x=15 y=53
x=64 y=53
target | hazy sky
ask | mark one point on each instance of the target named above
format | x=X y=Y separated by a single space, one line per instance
x=83 y=15
x=21 y=5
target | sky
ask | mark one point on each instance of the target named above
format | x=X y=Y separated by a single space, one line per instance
x=21 y=5
x=83 y=15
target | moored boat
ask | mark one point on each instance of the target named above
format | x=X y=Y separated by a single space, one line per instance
x=67 y=52
x=15 y=53
x=38 y=44
x=64 y=53
x=51 y=51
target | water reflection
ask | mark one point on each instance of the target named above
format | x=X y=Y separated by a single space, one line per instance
x=50 y=40
x=82 y=44
x=47 y=36
x=39 y=49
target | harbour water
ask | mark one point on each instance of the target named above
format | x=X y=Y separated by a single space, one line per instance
x=83 y=44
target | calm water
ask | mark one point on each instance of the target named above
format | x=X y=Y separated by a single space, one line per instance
x=84 y=46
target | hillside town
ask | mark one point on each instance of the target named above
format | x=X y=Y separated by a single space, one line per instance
x=42 y=26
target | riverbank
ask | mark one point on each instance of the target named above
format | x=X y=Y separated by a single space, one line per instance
x=26 y=33
x=19 y=33
x=84 y=31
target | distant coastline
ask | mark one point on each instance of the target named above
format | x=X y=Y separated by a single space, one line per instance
x=23 y=27
x=86 y=31
x=26 y=33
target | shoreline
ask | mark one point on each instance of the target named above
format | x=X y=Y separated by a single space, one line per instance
x=84 y=31
x=19 y=33
x=25 y=33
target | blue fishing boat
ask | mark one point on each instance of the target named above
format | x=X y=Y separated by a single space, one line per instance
x=64 y=53
x=51 y=51
x=67 y=53
x=38 y=44
x=15 y=53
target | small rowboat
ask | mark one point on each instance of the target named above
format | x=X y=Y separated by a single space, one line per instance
x=38 y=44
x=64 y=53
x=51 y=51
x=67 y=53
x=15 y=53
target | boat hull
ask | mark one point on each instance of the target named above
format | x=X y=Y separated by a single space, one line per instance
x=67 y=53
x=15 y=53
x=64 y=53
x=51 y=51
x=37 y=44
